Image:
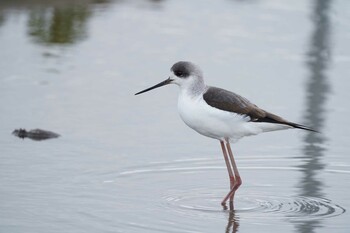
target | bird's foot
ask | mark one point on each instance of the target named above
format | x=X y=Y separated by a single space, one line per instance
x=230 y=196
x=235 y=183
x=231 y=206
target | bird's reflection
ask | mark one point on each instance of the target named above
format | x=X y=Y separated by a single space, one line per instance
x=318 y=58
x=233 y=220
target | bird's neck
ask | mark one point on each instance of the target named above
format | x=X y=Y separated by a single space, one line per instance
x=193 y=89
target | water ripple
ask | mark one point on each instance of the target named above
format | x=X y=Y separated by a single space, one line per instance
x=187 y=197
x=253 y=206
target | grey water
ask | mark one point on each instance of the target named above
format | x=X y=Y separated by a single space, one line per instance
x=126 y=163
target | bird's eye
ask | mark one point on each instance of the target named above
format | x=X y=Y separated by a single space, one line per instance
x=180 y=74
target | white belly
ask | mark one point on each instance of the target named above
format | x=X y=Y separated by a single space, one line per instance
x=218 y=124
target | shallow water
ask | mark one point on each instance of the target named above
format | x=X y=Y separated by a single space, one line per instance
x=127 y=163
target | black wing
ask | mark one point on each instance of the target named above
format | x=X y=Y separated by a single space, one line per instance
x=231 y=102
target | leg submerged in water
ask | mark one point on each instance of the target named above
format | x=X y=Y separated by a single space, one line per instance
x=235 y=179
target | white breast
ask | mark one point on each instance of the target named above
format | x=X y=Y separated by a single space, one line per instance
x=209 y=121
x=216 y=123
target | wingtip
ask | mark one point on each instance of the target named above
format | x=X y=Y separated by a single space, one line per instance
x=304 y=128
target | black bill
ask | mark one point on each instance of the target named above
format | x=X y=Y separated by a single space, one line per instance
x=165 y=82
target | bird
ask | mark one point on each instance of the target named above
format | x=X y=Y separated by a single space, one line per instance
x=220 y=114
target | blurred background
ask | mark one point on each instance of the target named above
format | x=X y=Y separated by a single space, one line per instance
x=128 y=163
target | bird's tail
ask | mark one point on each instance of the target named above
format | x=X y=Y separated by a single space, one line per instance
x=298 y=126
x=279 y=120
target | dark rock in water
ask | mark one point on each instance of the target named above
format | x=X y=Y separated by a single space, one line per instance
x=35 y=134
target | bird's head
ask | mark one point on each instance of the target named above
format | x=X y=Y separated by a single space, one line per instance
x=184 y=74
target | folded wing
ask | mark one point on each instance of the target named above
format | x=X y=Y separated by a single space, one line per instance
x=231 y=102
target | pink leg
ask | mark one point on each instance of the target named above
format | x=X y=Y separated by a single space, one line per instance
x=229 y=169
x=235 y=169
x=227 y=161
x=235 y=178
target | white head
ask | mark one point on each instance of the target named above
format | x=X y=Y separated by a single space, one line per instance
x=186 y=75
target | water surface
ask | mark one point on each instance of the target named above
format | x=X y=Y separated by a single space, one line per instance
x=129 y=164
